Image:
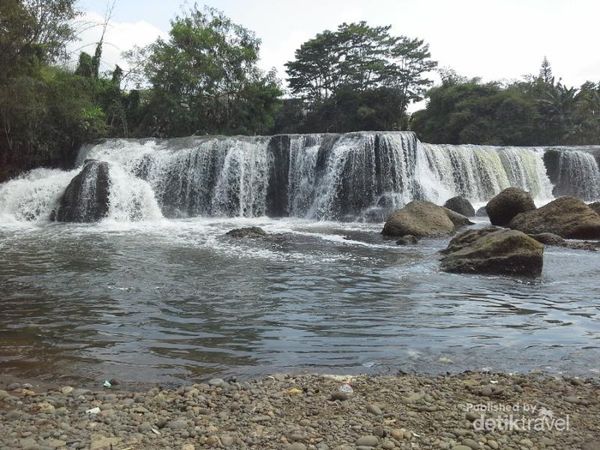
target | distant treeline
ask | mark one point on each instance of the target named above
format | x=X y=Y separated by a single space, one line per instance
x=204 y=79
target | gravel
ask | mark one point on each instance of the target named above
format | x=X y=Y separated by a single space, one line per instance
x=303 y=413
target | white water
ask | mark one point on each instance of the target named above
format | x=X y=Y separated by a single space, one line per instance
x=354 y=176
x=480 y=172
x=578 y=172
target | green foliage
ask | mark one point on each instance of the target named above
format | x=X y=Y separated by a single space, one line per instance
x=205 y=79
x=536 y=111
x=359 y=77
x=346 y=110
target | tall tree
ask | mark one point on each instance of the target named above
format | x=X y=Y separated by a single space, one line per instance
x=203 y=74
x=360 y=57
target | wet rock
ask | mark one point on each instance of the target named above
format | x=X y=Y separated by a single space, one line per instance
x=595 y=207
x=457 y=219
x=494 y=251
x=507 y=204
x=86 y=198
x=567 y=217
x=247 y=232
x=481 y=212
x=419 y=219
x=409 y=239
x=548 y=239
x=460 y=205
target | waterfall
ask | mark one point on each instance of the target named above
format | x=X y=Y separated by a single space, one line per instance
x=353 y=176
x=574 y=172
x=480 y=172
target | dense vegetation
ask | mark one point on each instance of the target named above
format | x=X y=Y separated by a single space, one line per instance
x=535 y=111
x=204 y=79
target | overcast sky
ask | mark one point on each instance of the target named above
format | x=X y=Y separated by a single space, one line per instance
x=494 y=39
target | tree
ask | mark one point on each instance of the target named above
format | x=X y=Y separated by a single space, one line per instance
x=360 y=57
x=545 y=75
x=534 y=111
x=34 y=31
x=204 y=76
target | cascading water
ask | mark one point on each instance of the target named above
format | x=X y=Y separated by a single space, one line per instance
x=354 y=176
x=574 y=172
x=480 y=172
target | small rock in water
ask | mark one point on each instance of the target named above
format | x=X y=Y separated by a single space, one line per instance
x=248 y=232
x=407 y=239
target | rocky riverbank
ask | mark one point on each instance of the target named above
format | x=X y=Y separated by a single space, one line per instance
x=462 y=412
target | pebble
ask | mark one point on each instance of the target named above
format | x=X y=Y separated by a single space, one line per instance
x=177 y=424
x=216 y=382
x=296 y=446
x=262 y=414
x=374 y=409
x=367 y=441
x=471 y=444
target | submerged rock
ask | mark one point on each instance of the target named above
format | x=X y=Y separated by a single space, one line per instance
x=494 y=251
x=423 y=219
x=460 y=205
x=247 y=232
x=409 y=239
x=86 y=198
x=507 y=204
x=567 y=217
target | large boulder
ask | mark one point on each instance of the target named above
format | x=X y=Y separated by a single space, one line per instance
x=422 y=219
x=507 y=204
x=460 y=205
x=568 y=217
x=86 y=198
x=494 y=251
x=595 y=206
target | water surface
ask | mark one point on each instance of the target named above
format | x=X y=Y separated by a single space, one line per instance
x=176 y=301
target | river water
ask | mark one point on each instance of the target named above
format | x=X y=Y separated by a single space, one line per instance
x=176 y=301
